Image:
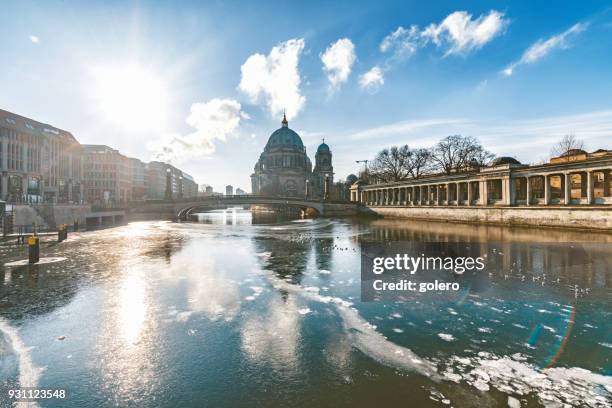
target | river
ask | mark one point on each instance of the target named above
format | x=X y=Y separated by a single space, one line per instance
x=232 y=311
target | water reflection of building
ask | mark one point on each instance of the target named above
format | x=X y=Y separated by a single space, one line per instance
x=582 y=258
x=38 y=162
x=575 y=178
x=285 y=169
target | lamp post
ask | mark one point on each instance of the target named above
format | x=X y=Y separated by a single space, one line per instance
x=168 y=184
x=365 y=173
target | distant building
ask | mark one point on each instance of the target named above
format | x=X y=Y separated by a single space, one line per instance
x=165 y=181
x=190 y=187
x=38 y=162
x=240 y=191
x=229 y=190
x=42 y=163
x=107 y=176
x=209 y=189
x=138 y=169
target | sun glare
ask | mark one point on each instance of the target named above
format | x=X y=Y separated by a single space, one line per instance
x=133 y=97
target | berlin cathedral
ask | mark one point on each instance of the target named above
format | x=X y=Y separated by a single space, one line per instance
x=284 y=168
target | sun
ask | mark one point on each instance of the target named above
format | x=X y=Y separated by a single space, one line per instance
x=131 y=96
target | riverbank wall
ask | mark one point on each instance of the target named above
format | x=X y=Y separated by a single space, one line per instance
x=591 y=218
x=49 y=216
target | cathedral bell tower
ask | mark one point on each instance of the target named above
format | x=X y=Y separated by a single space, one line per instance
x=323 y=172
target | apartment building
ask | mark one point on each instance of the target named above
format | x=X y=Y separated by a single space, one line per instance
x=38 y=162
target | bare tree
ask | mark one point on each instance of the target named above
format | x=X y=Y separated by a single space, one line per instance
x=419 y=162
x=391 y=164
x=564 y=146
x=456 y=153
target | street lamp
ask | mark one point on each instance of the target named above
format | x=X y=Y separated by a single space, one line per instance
x=365 y=162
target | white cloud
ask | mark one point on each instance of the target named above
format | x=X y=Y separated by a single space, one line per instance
x=212 y=120
x=338 y=60
x=542 y=48
x=372 y=80
x=402 y=42
x=461 y=34
x=34 y=39
x=275 y=79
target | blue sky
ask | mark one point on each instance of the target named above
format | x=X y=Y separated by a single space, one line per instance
x=205 y=83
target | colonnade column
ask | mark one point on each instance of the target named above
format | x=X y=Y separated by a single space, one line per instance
x=528 y=191
x=457 y=193
x=590 y=187
x=469 y=192
x=567 y=188
x=447 y=193
x=485 y=193
x=4 y=190
x=438 y=194
x=546 y=189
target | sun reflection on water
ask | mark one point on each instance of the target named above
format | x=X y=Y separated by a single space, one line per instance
x=132 y=307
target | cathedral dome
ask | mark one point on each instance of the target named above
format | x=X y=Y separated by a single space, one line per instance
x=284 y=138
x=323 y=148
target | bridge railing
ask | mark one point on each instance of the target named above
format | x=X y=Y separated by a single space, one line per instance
x=242 y=197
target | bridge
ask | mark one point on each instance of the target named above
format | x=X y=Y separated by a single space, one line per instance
x=182 y=208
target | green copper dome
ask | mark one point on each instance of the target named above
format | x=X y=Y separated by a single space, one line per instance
x=284 y=138
x=323 y=148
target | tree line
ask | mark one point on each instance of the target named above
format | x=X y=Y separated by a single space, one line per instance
x=453 y=154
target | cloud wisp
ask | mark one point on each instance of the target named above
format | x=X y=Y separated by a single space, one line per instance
x=458 y=34
x=338 y=60
x=212 y=121
x=274 y=79
x=512 y=137
x=543 y=47
x=372 y=80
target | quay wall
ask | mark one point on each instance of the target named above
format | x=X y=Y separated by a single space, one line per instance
x=49 y=215
x=593 y=218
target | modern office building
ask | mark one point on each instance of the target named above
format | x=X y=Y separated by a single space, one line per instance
x=42 y=163
x=38 y=162
x=165 y=181
x=138 y=169
x=107 y=175
x=229 y=190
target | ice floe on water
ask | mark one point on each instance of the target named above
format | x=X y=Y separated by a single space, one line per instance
x=304 y=311
x=553 y=386
x=446 y=336
x=513 y=402
x=608 y=345
x=514 y=376
x=29 y=373
x=363 y=335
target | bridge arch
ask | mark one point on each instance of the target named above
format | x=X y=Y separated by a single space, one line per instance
x=184 y=209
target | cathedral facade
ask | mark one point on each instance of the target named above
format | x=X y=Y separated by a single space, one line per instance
x=284 y=169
